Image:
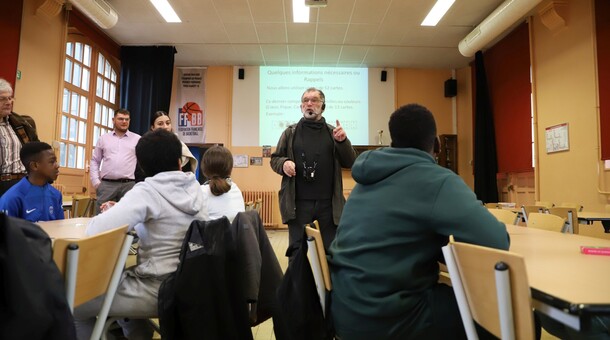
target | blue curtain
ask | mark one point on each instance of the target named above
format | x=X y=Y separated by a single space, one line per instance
x=485 y=157
x=146 y=82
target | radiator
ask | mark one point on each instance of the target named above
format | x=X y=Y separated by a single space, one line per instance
x=269 y=199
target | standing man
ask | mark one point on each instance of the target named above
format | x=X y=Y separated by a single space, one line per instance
x=114 y=161
x=309 y=156
x=384 y=260
x=14 y=132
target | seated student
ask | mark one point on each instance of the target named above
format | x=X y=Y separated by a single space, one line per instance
x=223 y=196
x=160 y=209
x=384 y=259
x=33 y=198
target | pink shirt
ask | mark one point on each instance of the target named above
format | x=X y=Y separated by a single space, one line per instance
x=114 y=157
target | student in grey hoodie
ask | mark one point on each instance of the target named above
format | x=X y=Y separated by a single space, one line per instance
x=160 y=209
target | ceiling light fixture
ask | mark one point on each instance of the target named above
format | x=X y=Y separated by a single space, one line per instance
x=300 y=12
x=166 y=10
x=437 y=12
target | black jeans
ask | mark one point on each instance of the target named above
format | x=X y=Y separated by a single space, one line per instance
x=306 y=212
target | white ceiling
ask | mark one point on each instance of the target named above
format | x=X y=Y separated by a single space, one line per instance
x=354 y=33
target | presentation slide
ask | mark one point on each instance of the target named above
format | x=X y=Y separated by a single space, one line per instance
x=347 y=99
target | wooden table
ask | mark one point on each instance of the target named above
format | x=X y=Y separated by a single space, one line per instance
x=71 y=228
x=566 y=285
x=588 y=217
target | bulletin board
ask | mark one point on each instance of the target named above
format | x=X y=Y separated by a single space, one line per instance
x=557 y=138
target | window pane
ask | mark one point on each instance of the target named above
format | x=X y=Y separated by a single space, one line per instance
x=62 y=154
x=100 y=64
x=83 y=107
x=98 y=86
x=87 y=56
x=96 y=134
x=80 y=156
x=113 y=76
x=74 y=104
x=107 y=69
x=72 y=136
x=85 y=82
x=68 y=71
x=82 y=132
x=71 y=156
x=110 y=125
x=112 y=93
x=69 y=49
x=98 y=112
x=77 y=75
x=104 y=115
x=106 y=89
x=78 y=51
x=64 y=127
x=65 y=101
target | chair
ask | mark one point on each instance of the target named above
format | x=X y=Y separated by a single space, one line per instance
x=492 y=205
x=92 y=266
x=545 y=204
x=249 y=206
x=505 y=216
x=570 y=215
x=491 y=288
x=526 y=210
x=546 y=221
x=258 y=204
x=82 y=206
x=319 y=263
x=575 y=206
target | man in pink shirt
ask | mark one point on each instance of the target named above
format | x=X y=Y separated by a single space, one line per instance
x=114 y=161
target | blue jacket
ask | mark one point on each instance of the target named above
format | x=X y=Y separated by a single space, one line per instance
x=33 y=203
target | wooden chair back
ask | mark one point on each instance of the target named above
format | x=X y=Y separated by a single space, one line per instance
x=491 y=288
x=82 y=206
x=505 y=216
x=574 y=206
x=545 y=204
x=95 y=263
x=249 y=205
x=319 y=264
x=526 y=210
x=546 y=221
x=569 y=214
x=258 y=204
x=314 y=233
x=492 y=205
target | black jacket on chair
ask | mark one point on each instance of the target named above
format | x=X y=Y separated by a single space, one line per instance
x=33 y=302
x=203 y=298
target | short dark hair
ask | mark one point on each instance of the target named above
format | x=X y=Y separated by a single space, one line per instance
x=122 y=111
x=30 y=152
x=216 y=165
x=413 y=126
x=156 y=115
x=158 y=151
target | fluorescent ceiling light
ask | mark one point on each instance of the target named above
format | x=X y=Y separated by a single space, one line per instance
x=166 y=10
x=437 y=12
x=300 y=12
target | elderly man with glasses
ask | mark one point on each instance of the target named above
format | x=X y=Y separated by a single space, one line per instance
x=14 y=132
x=309 y=156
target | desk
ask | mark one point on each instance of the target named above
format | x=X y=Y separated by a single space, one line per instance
x=588 y=217
x=566 y=285
x=72 y=228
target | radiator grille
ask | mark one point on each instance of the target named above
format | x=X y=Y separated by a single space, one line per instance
x=268 y=201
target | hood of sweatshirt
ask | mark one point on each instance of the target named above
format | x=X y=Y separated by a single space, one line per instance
x=179 y=189
x=376 y=165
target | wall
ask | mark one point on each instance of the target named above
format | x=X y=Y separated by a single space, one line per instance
x=564 y=75
x=40 y=63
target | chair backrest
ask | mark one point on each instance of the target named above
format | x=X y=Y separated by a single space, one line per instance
x=249 y=205
x=491 y=288
x=258 y=204
x=545 y=204
x=82 y=206
x=527 y=209
x=319 y=264
x=88 y=264
x=492 y=205
x=314 y=233
x=575 y=206
x=569 y=214
x=505 y=216
x=546 y=221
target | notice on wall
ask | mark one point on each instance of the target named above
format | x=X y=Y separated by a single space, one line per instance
x=190 y=113
x=557 y=138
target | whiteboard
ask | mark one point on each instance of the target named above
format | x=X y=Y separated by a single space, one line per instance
x=557 y=138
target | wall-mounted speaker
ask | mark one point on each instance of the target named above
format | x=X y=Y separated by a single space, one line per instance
x=384 y=75
x=450 y=88
x=241 y=73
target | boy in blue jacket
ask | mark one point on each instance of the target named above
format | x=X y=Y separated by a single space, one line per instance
x=33 y=198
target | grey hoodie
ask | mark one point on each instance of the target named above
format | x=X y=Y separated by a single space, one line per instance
x=160 y=209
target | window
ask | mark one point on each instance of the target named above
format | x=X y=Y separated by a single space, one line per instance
x=88 y=103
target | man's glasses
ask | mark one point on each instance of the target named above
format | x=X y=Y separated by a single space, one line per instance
x=312 y=100
x=4 y=99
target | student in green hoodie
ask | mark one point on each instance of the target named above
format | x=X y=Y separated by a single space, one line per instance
x=384 y=259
